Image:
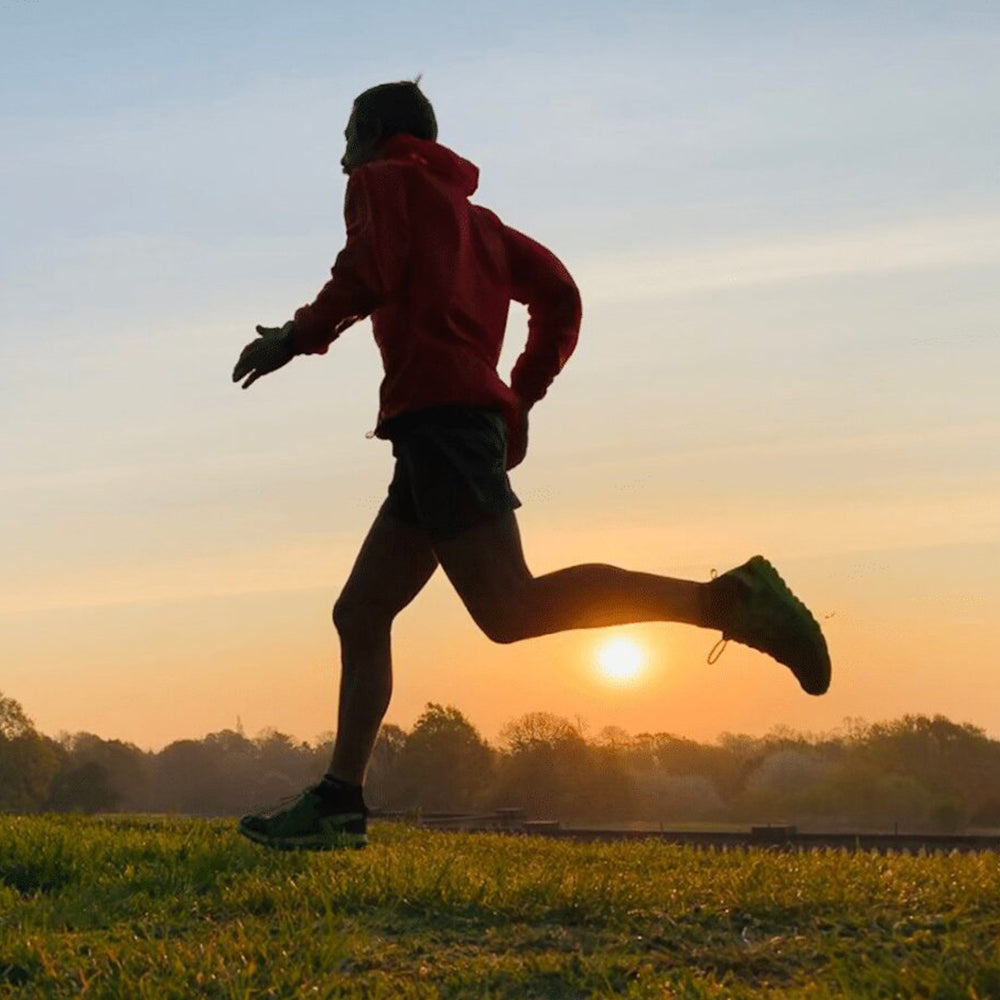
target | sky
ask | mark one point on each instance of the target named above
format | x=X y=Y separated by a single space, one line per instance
x=784 y=221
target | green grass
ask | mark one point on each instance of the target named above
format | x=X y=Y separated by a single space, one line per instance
x=162 y=908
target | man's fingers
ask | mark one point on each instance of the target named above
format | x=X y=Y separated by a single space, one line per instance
x=265 y=356
x=246 y=360
x=243 y=366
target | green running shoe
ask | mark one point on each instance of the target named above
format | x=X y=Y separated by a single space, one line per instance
x=769 y=617
x=311 y=823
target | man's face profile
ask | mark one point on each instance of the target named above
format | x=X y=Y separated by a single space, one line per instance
x=360 y=149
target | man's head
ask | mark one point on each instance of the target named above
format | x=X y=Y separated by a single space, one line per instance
x=383 y=111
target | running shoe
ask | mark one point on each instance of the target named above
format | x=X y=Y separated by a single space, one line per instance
x=770 y=618
x=312 y=822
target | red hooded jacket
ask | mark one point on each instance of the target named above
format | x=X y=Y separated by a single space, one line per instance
x=437 y=274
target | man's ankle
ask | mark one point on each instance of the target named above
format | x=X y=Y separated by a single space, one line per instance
x=720 y=599
x=340 y=793
x=333 y=783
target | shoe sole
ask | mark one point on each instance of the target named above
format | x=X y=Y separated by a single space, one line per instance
x=818 y=682
x=315 y=842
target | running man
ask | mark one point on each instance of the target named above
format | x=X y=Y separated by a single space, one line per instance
x=436 y=274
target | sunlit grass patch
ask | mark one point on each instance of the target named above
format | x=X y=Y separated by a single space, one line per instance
x=155 y=907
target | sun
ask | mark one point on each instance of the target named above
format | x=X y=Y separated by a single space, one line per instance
x=620 y=660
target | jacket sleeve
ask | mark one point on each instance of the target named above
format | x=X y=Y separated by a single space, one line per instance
x=370 y=267
x=541 y=282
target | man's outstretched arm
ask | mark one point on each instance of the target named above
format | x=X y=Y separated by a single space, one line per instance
x=365 y=274
x=369 y=268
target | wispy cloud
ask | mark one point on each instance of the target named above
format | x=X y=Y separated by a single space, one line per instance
x=910 y=246
x=604 y=459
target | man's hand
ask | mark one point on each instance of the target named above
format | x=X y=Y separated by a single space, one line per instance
x=272 y=351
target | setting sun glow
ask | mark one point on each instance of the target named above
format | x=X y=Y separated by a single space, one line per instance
x=620 y=660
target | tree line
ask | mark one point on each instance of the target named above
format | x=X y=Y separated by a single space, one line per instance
x=916 y=773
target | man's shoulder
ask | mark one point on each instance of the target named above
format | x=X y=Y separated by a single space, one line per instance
x=378 y=186
x=487 y=213
x=392 y=179
x=381 y=168
x=379 y=173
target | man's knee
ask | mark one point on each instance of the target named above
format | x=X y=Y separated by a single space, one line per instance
x=486 y=567
x=499 y=632
x=503 y=613
x=501 y=622
x=351 y=616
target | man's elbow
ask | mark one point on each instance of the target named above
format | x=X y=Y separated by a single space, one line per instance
x=570 y=304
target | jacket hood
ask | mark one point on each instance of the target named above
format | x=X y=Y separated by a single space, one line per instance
x=438 y=159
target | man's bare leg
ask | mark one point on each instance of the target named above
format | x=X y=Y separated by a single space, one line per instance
x=750 y=603
x=486 y=566
x=394 y=563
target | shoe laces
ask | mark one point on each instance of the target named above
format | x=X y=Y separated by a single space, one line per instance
x=720 y=647
x=713 y=656
x=286 y=801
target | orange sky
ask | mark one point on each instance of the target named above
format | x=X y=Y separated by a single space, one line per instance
x=905 y=634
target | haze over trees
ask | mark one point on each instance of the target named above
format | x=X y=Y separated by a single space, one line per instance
x=916 y=773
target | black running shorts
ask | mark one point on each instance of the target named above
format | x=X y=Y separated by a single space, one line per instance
x=450 y=468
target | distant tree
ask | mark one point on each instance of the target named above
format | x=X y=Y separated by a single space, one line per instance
x=189 y=778
x=783 y=784
x=936 y=748
x=232 y=743
x=956 y=765
x=607 y=789
x=444 y=765
x=381 y=785
x=987 y=813
x=685 y=797
x=321 y=752
x=285 y=765
x=237 y=769
x=13 y=721
x=27 y=766
x=85 y=788
x=28 y=761
x=614 y=738
x=549 y=769
x=726 y=766
x=124 y=770
x=537 y=728
x=866 y=796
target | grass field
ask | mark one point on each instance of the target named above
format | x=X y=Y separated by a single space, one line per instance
x=139 y=907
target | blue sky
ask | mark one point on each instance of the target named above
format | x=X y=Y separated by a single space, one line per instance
x=783 y=219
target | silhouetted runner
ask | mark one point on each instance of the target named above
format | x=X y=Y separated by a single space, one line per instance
x=437 y=275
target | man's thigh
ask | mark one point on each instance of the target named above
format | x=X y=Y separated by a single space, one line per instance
x=395 y=561
x=486 y=566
